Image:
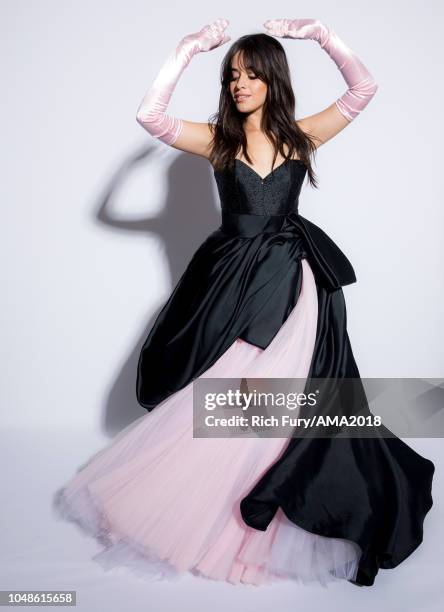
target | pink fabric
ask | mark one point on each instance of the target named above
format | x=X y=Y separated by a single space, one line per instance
x=151 y=113
x=361 y=84
x=164 y=502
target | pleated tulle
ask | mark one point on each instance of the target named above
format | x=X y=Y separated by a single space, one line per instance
x=162 y=502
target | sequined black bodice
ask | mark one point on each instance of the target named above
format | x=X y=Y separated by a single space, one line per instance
x=243 y=190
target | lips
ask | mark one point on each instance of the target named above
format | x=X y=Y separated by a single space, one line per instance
x=241 y=98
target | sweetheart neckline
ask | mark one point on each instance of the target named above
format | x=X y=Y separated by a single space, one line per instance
x=263 y=178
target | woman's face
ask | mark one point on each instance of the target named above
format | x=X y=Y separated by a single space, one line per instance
x=246 y=84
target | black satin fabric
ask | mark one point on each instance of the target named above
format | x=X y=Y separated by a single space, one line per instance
x=374 y=491
x=243 y=282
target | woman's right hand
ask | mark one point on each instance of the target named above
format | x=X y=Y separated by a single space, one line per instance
x=152 y=112
x=210 y=36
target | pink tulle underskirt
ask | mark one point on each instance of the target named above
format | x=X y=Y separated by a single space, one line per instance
x=163 y=503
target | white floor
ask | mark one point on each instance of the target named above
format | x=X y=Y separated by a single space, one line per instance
x=39 y=551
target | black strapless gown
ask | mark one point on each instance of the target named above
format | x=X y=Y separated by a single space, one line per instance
x=265 y=287
x=373 y=491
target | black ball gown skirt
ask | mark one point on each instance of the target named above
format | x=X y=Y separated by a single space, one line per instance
x=261 y=298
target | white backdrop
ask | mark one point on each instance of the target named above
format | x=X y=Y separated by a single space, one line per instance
x=99 y=220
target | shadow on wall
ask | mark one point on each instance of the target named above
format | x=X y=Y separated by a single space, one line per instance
x=189 y=215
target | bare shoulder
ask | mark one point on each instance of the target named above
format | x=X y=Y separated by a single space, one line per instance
x=195 y=138
x=324 y=125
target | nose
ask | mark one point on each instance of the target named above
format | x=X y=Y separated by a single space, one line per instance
x=240 y=84
x=239 y=89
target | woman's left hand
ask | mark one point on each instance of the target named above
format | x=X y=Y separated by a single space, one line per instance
x=361 y=84
x=296 y=28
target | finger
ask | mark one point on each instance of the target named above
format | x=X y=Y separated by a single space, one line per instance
x=224 y=40
x=221 y=23
x=273 y=31
x=270 y=23
x=217 y=28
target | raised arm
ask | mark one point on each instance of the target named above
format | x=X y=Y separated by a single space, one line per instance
x=152 y=115
x=361 y=85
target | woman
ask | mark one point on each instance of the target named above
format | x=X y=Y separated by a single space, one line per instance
x=261 y=298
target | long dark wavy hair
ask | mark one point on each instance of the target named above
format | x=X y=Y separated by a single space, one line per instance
x=265 y=56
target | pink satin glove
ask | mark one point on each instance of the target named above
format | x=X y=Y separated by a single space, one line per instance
x=151 y=112
x=362 y=86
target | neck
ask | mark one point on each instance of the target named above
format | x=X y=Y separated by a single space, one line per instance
x=252 y=122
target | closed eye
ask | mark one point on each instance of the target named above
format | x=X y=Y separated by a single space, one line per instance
x=250 y=76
